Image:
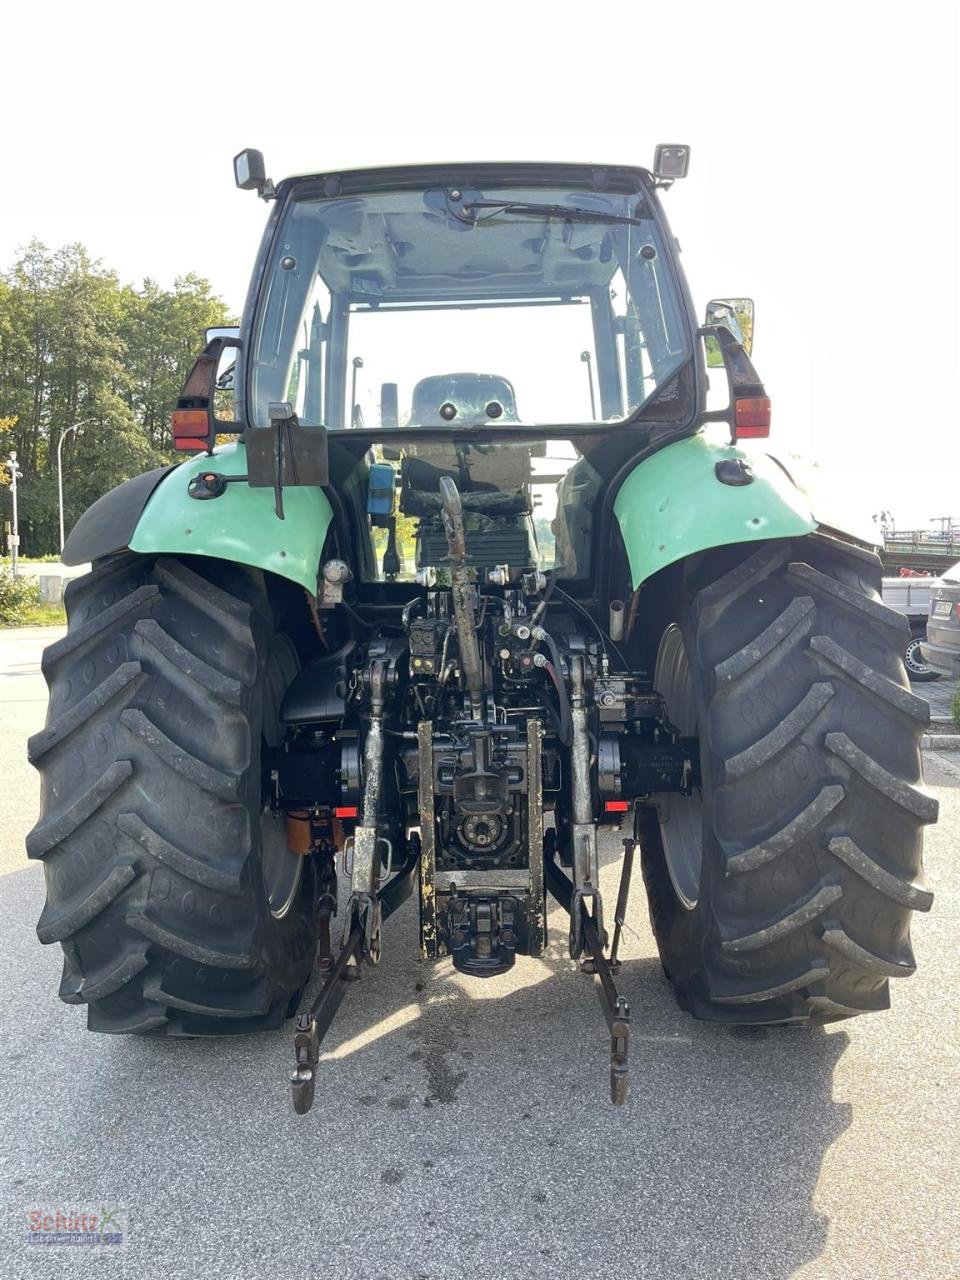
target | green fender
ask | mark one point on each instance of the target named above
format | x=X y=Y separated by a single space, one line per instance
x=673 y=505
x=241 y=525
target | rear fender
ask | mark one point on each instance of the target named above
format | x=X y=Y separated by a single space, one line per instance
x=241 y=525
x=673 y=505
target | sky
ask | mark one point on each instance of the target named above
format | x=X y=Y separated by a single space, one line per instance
x=823 y=178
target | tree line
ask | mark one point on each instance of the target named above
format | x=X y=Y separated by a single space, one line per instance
x=78 y=348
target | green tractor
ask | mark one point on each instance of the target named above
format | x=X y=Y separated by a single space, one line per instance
x=460 y=573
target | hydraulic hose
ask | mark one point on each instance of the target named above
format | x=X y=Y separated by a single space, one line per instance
x=566 y=729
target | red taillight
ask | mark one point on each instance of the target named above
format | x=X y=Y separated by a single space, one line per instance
x=616 y=806
x=346 y=811
x=752 y=418
x=190 y=427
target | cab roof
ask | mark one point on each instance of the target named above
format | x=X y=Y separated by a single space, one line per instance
x=591 y=177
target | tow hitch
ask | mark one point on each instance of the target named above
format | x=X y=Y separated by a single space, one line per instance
x=313 y=1025
x=480 y=772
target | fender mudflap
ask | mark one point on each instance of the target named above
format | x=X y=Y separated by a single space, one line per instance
x=240 y=525
x=108 y=524
x=677 y=502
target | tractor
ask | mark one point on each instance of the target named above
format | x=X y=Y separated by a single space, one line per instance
x=459 y=574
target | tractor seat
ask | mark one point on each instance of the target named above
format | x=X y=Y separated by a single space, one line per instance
x=498 y=469
x=471 y=394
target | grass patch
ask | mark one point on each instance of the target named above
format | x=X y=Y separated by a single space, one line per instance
x=39 y=615
x=25 y=562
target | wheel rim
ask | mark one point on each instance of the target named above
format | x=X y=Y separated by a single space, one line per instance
x=680 y=817
x=282 y=869
x=913 y=659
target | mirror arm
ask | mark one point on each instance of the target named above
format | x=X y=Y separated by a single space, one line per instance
x=197 y=397
x=743 y=381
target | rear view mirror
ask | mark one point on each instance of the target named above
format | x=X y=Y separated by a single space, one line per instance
x=206 y=405
x=735 y=314
x=221 y=331
x=224 y=395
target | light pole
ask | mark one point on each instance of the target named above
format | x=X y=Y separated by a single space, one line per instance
x=15 y=473
x=63 y=436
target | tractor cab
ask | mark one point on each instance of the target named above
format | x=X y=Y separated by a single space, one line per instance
x=551 y=295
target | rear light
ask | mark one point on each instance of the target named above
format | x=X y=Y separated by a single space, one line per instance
x=751 y=418
x=346 y=811
x=190 y=428
x=616 y=806
x=956 y=610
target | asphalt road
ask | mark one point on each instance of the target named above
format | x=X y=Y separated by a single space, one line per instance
x=462 y=1129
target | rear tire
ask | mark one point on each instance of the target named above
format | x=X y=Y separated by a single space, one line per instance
x=153 y=828
x=796 y=907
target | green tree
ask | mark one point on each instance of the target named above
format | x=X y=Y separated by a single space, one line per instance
x=77 y=348
x=163 y=332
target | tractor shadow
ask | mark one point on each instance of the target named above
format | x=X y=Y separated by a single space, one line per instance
x=460 y=1127
x=710 y=1169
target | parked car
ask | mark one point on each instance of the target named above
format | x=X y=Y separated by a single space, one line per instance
x=911 y=597
x=941 y=647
